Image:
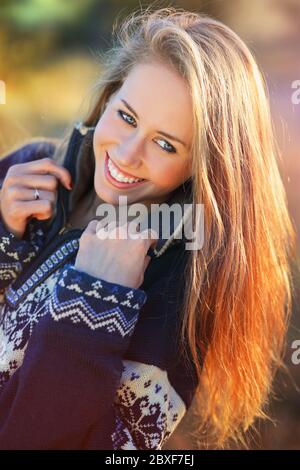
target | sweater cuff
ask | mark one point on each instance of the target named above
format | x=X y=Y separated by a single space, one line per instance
x=14 y=252
x=81 y=298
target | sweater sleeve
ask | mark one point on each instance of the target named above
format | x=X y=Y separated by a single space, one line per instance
x=148 y=408
x=15 y=253
x=64 y=395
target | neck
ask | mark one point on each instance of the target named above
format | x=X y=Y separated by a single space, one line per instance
x=90 y=203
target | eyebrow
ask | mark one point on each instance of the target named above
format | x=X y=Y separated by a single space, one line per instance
x=165 y=134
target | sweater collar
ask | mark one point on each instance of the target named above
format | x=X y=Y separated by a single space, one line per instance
x=80 y=161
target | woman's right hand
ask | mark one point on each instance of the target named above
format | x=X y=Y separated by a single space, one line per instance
x=17 y=203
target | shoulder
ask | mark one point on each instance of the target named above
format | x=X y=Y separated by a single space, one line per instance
x=32 y=150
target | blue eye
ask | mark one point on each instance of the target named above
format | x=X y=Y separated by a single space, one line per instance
x=171 y=148
x=122 y=114
x=124 y=117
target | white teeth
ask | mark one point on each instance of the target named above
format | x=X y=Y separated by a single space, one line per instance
x=118 y=176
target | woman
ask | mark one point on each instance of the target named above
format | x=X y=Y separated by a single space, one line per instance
x=113 y=347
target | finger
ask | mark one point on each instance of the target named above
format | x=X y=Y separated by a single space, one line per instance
x=153 y=239
x=42 y=209
x=123 y=231
x=101 y=224
x=112 y=225
x=48 y=165
x=146 y=262
x=47 y=182
x=134 y=229
x=25 y=194
x=92 y=226
x=114 y=230
x=150 y=235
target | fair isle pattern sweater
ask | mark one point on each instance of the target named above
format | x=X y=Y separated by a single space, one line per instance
x=138 y=412
x=75 y=372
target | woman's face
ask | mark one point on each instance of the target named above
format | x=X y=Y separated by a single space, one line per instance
x=129 y=140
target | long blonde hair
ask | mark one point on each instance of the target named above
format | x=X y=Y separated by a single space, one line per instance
x=238 y=288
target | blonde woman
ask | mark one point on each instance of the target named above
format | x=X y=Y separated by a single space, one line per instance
x=106 y=342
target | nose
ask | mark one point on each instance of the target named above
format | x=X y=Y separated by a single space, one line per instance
x=129 y=154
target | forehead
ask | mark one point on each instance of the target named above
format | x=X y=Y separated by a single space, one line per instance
x=161 y=98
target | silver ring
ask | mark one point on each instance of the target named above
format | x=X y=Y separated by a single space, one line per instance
x=36 y=194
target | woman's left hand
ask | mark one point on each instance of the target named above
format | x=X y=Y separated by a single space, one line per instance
x=119 y=259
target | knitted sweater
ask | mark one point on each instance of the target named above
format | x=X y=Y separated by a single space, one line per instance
x=86 y=363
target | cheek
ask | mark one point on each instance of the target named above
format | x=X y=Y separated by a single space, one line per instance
x=168 y=174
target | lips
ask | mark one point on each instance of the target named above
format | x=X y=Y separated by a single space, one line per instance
x=119 y=184
x=122 y=172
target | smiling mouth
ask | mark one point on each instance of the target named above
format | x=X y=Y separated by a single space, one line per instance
x=117 y=177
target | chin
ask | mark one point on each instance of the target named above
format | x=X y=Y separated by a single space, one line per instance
x=108 y=197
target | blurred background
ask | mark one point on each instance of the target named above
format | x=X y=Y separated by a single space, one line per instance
x=49 y=61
